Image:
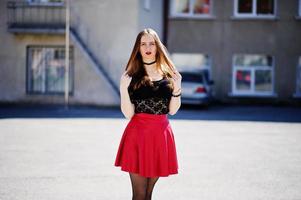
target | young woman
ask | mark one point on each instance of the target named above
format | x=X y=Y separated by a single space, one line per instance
x=150 y=88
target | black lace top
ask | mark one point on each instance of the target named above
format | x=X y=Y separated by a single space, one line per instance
x=151 y=99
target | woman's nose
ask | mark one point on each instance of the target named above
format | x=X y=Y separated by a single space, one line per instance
x=148 y=47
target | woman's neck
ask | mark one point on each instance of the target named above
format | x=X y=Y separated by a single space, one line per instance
x=151 y=69
x=153 y=72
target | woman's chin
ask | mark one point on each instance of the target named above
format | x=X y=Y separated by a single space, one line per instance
x=150 y=57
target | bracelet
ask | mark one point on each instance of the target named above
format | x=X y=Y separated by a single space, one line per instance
x=176 y=95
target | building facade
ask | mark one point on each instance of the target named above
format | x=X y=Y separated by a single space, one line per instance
x=102 y=35
x=252 y=48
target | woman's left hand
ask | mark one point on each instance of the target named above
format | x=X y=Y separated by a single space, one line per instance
x=176 y=79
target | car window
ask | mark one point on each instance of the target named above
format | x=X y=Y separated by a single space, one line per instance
x=206 y=74
x=192 y=77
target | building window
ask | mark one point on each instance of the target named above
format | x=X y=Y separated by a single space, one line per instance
x=192 y=61
x=255 y=8
x=46 y=2
x=46 y=70
x=147 y=5
x=300 y=8
x=253 y=75
x=298 y=79
x=191 y=8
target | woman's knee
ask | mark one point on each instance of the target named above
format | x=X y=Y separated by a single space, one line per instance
x=139 y=195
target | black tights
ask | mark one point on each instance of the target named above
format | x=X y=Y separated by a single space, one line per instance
x=142 y=186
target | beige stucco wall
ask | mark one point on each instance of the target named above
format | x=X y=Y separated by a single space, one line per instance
x=90 y=87
x=152 y=16
x=108 y=27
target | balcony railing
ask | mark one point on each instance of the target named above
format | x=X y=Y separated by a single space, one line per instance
x=26 y=16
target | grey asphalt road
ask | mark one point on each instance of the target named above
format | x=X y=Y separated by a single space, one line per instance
x=217 y=112
x=226 y=153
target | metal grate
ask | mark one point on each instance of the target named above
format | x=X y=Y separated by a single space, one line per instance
x=25 y=14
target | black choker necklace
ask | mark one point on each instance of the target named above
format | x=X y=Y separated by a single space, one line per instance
x=150 y=63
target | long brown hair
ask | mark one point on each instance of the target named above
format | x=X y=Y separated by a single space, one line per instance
x=135 y=66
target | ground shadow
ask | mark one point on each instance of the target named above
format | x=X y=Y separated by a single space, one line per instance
x=213 y=112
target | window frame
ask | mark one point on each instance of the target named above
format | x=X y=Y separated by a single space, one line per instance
x=298 y=79
x=254 y=14
x=28 y=77
x=252 y=69
x=174 y=14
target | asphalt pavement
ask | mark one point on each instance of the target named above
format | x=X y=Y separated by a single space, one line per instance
x=216 y=112
x=224 y=153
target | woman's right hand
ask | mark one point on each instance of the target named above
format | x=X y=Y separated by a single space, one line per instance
x=125 y=80
x=127 y=107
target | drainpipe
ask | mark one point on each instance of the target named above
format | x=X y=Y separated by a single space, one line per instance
x=165 y=21
x=67 y=29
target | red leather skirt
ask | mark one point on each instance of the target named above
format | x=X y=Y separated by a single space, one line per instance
x=147 y=146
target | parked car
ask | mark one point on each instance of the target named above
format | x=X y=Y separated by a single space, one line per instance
x=196 y=87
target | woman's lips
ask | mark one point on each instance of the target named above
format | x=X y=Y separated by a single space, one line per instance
x=148 y=53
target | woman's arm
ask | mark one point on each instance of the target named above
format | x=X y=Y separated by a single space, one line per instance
x=174 y=105
x=127 y=108
x=175 y=102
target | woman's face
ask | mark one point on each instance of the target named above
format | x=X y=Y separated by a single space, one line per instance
x=148 y=48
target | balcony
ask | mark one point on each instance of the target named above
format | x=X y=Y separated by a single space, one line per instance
x=26 y=17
